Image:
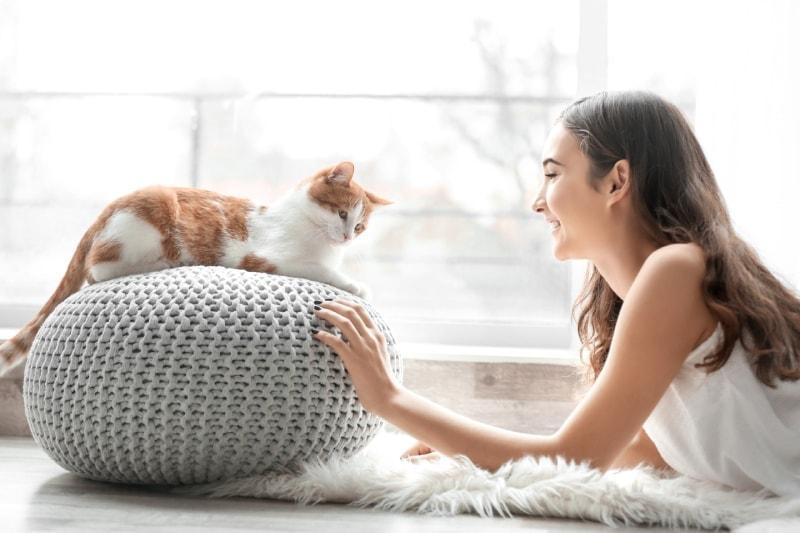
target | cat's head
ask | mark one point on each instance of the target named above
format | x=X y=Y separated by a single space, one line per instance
x=344 y=207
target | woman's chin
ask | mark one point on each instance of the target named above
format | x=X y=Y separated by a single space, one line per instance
x=559 y=252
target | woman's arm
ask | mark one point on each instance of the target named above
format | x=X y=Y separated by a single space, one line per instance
x=452 y=434
x=640 y=450
x=662 y=319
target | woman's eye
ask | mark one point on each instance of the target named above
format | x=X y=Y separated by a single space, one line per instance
x=549 y=175
x=343 y=214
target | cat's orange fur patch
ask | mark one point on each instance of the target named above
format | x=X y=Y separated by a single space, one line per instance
x=205 y=219
x=159 y=207
x=333 y=197
x=102 y=252
x=19 y=344
x=199 y=219
x=343 y=193
x=236 y=210
x=254 y=263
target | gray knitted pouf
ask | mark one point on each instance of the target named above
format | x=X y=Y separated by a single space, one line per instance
x=191 y=375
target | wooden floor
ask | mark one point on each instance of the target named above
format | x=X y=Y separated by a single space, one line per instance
x=38 y=495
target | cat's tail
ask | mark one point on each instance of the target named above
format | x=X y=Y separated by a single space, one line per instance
x=17 y=346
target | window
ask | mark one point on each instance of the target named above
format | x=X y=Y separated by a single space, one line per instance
x=442 y=106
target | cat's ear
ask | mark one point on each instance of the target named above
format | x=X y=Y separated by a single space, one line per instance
x=377 y=200
x=341 y=173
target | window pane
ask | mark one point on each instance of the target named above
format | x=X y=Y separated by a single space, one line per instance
x=348 y=46
x=89 y=150
x=245 y=99
x=63 y=159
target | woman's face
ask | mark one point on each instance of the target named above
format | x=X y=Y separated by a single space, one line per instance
x=573 y=208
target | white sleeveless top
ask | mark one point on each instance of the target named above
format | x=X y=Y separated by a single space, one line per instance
x=729 y=427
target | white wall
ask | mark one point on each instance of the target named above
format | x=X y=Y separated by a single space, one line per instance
x=748 y=122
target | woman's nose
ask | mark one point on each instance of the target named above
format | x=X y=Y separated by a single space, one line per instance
x=538 y=204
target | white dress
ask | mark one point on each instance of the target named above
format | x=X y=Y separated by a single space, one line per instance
x=729 y=427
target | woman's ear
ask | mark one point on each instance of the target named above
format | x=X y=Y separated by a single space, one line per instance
x=619 y=181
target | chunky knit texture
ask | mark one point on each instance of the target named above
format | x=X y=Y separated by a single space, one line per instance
x=191 y=375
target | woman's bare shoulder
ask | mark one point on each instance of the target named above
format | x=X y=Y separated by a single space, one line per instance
x=687 y=254
x=688 y=261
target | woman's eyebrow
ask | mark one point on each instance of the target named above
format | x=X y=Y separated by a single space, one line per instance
x=551 y=160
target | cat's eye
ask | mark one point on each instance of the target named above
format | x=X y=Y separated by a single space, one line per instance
x=342 y=214
x=359 y=227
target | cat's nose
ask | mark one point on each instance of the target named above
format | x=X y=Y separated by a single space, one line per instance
x=346 y=236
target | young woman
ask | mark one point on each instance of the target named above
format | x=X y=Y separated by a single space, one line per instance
x=693 y=343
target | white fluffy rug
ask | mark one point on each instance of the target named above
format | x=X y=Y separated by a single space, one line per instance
x=535 y=487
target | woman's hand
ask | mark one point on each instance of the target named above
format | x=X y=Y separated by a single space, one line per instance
x=362 y=348
x=420 y=451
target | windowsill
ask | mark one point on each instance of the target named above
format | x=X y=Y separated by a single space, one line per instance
x=456 y=353
x=487 y=354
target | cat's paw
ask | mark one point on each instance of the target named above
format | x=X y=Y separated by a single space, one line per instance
x=359 y=289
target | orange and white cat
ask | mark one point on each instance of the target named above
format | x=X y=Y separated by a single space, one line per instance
x=151 y=229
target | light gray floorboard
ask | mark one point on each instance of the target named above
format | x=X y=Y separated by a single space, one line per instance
x=38 y=495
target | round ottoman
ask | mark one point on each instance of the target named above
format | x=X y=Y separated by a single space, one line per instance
x=192 y=375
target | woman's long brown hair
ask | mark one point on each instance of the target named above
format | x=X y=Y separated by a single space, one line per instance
x=678 y=198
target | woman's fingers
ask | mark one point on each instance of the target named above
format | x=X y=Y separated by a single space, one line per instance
x=345 y=326
x=433 y=456
x=414 y=450
x=358 y=308
x=334 y=342
x=347 y=313
x=372 y=329
x=419 y=448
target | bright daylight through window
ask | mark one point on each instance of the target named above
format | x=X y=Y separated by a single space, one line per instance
x=450 y=131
